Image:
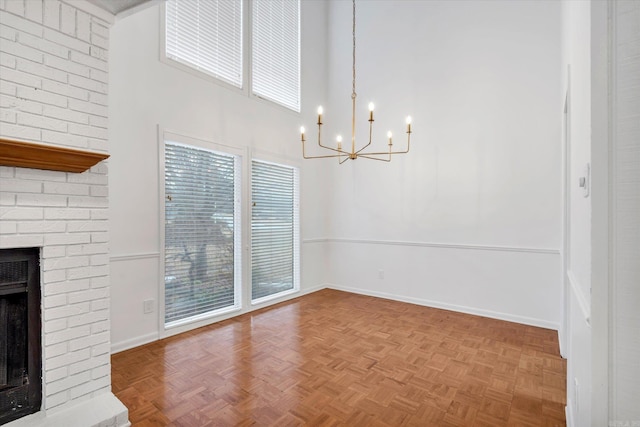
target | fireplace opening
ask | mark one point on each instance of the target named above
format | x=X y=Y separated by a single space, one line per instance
x=20 y=342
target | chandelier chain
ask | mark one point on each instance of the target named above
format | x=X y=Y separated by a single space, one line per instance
x=353 y=90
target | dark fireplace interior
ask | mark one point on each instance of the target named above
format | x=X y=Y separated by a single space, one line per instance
x=20 y=348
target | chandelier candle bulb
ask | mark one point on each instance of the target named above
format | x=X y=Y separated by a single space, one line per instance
x=371 y=106
x=389 y=136
x=408 y=124
x=320 y=115
x=302 y=133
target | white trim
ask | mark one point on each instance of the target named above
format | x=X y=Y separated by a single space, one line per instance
x=117 y=347
x=133 y=257
x=452 y=307
x=568 y=414
x=582 y=300
x=436 y=245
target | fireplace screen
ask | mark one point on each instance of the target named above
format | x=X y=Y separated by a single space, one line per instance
x=20 y=349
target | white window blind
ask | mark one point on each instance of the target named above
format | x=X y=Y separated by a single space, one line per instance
x=276 y=51
x=202 y=232
x=206 y=35
x=274 y=229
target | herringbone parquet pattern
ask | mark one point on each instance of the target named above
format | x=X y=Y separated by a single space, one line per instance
x=334 y=358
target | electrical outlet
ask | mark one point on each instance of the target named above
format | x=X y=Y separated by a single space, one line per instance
x=380 y=274
x=148 y=306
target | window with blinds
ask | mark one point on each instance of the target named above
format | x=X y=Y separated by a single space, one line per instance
x=206 y=35
x=274 y=229
x=202 y=232
x=276 y=51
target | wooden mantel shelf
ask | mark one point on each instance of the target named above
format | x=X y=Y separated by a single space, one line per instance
x=40 y=156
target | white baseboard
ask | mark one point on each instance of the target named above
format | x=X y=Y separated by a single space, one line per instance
x=452 y=307
x=561 y=338
x=133 y=342
x=568 y=414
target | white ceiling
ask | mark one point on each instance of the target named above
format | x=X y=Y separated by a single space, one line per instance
x=117 y=6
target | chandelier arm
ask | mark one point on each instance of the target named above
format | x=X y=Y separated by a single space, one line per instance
x=329 y=156
x=343 y=160
x=370 y=136
x=375 y=158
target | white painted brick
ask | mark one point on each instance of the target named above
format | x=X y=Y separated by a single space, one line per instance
x=8 y=61
x=99 y=53
x=65 y=263
x=20 y=104
x=89 y=386
x=40 y=175
x=100 y=41
x=99 y=237
x=52 y=277
x=66 y=311
x=88 y=60
x=99 y=76
x=88 y=107
x=33 y=10
x=42 y=96
x=8 y=227
x=89 y=178
x=67 y=358
x=90 y=341
x=8 y=88
x=68 y=20
x=65 y=139
x=89 y=318
x=88 y=202
x=101 y=349
x=41 y=70
x=71 y=42
x=98 y=98
x=52 y=375
x=21 y=78
x=55 y=325
x=54 y=251
x=99 y=214
x=99 y=305
x=66 y=239
x=41 y=227
x=32 y=120
x=101 y=371
x=55 y=213
x=20 y=213
x=21 y=241
x=101 y=326
x=53 y=301
x=79 y=273
x=65 y=114
x=66 y=89
x=83 y=26
x=84 y=365
x=67 y=66
x=42 y=200
x=43 y=45
x=8 y=33
x=89 y=295
x=101 y=122
x=21 y=185
x=101 y=259
x=8 y=116
x=67 y=334
x=52 y=14
x=15 y=6
x=67 y=383
x=7 y=172
x=100 y=282
x=22 y=51
x=67 y=286
x=91 y=249
x=75 y=226
x=89 y=131
x=20 y=132
x=89 y=84
x=56 y=350
x=58 y=399
x=66 y=188
x=100 y=28
x=97 y=145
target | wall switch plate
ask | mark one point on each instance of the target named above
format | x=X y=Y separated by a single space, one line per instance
x=148 y=306
x=585 y=180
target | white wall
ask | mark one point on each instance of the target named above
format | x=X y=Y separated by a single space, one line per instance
x=146 y=93
x=471 y=218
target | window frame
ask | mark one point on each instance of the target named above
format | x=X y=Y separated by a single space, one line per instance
x=247 y=59
x=240 y=262
x=297 y=239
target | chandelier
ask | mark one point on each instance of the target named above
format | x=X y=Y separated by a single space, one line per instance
x=338 y=151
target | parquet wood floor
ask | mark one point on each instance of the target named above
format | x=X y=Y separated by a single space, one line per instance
x=338 y=359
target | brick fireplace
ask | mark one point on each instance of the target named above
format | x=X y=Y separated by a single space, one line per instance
x=53 y=90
